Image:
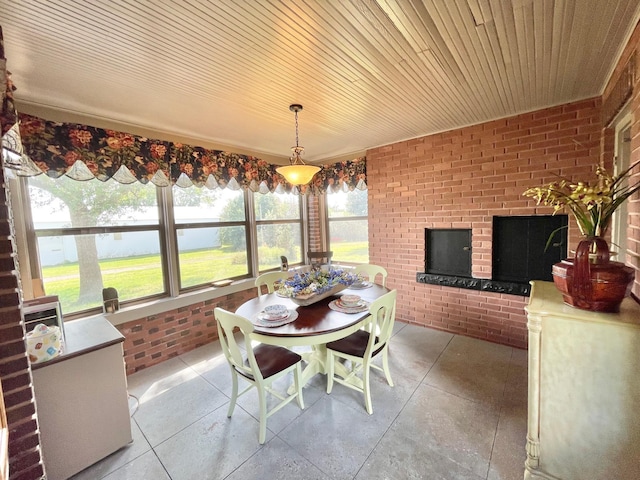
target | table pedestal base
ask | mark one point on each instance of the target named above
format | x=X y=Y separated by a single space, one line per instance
x=316 y=361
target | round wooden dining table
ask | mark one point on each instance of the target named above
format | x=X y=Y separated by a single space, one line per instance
x=316 y=325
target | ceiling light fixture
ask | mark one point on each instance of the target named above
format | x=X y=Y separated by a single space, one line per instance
x=298 y=173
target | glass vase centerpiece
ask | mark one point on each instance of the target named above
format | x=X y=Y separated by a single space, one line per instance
x=590 y=280
x=310 y=287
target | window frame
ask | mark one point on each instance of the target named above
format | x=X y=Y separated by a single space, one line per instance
x=621 y=161
x=301 y=220
x=327 y=221
x=32 y=253
x=172 y=233
x=30 y=268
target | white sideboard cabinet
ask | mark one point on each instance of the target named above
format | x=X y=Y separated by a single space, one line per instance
x=81 y=398
x=584 y=390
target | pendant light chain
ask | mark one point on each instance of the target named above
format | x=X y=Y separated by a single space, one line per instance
x=296 y=114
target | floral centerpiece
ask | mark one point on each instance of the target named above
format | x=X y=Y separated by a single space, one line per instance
x=592 y=205
x=590 y=280
x=312 y=286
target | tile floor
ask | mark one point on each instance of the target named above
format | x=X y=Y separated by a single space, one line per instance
x=457 y=411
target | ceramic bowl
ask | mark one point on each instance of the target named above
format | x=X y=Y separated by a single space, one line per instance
x=350 y=300
x=276 y=311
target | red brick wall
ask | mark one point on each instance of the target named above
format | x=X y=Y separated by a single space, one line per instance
x=313 y=228
x=461 y=179
x=156 y=338
x=633 y=228
x=24 y=440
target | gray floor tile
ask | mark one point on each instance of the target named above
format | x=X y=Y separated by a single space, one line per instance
x=387 y=401
x=335 y=438
x=457 y=412
x=277 y=461
x=508 y=456
x=397 y=326
x=516 y=389
x=401 y=457
x=126 y=454
x=209 y=361
x=204 y=358
x=155 y=380
x=219 y=375
x=472 y=369
x=450 y=426
x=211 y=448
x=412 y=334
x=145 y=467
x=177 y=408
x=282 y=418
x=426 y=343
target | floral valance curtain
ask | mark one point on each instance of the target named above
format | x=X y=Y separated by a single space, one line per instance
x=83 y=152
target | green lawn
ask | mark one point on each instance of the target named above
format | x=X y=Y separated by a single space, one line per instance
x=137 y=277
x=352 y=252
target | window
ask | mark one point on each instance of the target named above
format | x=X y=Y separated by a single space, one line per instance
x=148 y=242
x=75 y=224
x=348 y=226
x=278 y=228
x=211 y=235
x=619 y=231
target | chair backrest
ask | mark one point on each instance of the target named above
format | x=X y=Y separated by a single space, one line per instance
x=227 y=323
x=269 y=280
x=319 y=258
x=380 y=322
x=372 y=271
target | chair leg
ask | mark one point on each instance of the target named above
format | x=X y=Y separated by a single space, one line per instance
x=234 y=392
x=330 y=370
x=262 y=396
x=366 y=370
x=297 y=378
x=385 y=364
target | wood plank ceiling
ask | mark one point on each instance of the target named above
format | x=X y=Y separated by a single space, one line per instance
x=368 y=72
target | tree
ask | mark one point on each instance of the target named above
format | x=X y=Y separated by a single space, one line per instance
x=357 y=204
x=194 y=196
x=270 y=206
x=233 y=210
x=90 y=203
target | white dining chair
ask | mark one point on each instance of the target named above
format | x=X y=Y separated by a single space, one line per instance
x=361 y=347
x=269 y=279
x=261 y=366
x=372 y=271
x=317 y=259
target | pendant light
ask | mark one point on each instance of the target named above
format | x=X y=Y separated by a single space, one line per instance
x=298 y=173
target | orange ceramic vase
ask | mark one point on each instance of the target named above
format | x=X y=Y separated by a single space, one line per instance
x=591 y=281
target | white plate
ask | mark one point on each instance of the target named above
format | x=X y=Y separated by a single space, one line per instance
x=360 y=304
x=260 y=321
x=266 y=317
x=362 y=286
x=338 y=307
x=275 y=312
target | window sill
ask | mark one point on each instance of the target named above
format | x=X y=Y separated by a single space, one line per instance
x=162 y=305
